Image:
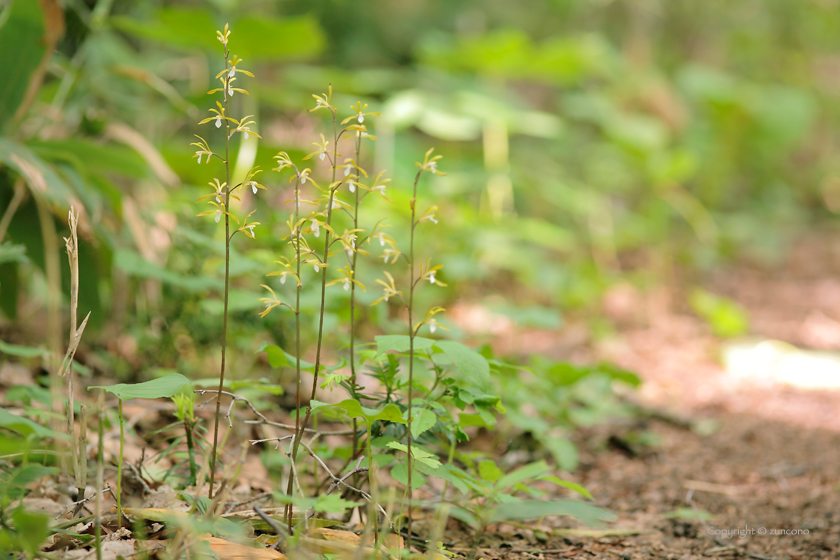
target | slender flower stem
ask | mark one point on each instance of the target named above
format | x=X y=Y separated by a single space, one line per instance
x=353 y=303
x=296 y=234
x=227 y=280
x=411 y=333
x=120 y=467
x=299 y=433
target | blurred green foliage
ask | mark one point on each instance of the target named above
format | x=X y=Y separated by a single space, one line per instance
x=585 y=141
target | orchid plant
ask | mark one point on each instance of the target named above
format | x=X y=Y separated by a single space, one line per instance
x=223 y=191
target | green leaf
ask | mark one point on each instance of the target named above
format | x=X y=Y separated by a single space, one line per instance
x=689 y=514
x=32 y=528
x=422 y=420
x=566 y=484
x=489 y=471
x=42 y=179
x=133 y=264
x=522 y=474
x=726 y=318
x=354 y=409
x=279 y=358
x=22 y=351
x=26 y=426
x=252 y=38
x=420 y=455
x=472 y=366
x=565 y=452
x=400 y=474
x=11 y=253
x=332 y=503
x=585 y=513
x=154 y=389
x=22 y=39
x=400 y=343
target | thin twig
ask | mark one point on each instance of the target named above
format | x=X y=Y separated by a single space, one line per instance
x=260 y=415
x=281 y=532
x=80 y=502
x=230 y=506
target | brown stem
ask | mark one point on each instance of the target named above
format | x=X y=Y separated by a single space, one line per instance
x=299 y=433
x=227 y=283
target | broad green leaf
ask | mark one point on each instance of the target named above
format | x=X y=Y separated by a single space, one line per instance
x=419 y=454
x=422 y=420
x=688 y=514
x=566 y=484
x=92 y=156
x=726 y=317
x=22 y=351
x=332 y=503
x=154 y=389
x=400 y=474
x=400 y=343
x=565 y=452
x=43 y=181
x=194 y=524
x=252 y=38
x=32 y=528
x=26 y=426
x=472 y=366
x=489 y=471
x=22 y=41
x=11 y=253
x=133 y=264
x=354 y=409
x=522 y=474
x=279 y=358
x=582 y=511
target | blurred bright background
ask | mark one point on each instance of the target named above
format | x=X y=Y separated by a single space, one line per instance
x=604 y=159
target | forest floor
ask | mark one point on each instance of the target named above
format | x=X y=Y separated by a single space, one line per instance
x=758 y=450
x=754 y=451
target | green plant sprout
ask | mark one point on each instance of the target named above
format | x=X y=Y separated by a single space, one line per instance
x=219 y=199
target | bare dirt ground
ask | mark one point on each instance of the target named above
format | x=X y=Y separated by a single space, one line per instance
x=768 y=471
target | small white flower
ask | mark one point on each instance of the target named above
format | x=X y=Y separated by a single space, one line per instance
x=219 y=121
x=386 y=299
x=283 y=278
x=385 y=257
x=381 y=239
x=361 y=119
x=347 y=169
x=199 y=157
x=232 y=72
x=316 y=228
x=252 y=231
x=432 y=326
x=433 y=166
x=219 y=200
x=218 y=216
x=432 y=219
x=346 y=285
x=334 y=205
x=353 y=243
x=253 y=186
x=432 y=277
x=230 y=91
x=352 y=186
x=323 y=155
x=349 y=253
x=268 y=305
x=317 y=268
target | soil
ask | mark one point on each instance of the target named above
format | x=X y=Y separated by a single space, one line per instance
x=759 y=454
